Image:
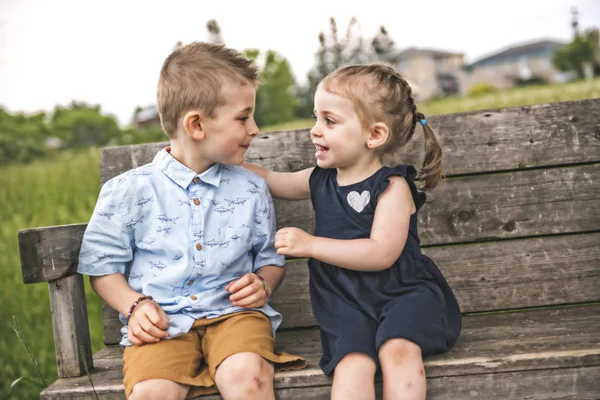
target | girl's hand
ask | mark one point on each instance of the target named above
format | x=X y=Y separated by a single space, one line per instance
x=294 y=242
x=248 y=292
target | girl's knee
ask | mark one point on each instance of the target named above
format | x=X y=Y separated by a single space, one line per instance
x=399 y=351
x=357 y=363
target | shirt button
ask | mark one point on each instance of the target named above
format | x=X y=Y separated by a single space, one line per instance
x=190 y=282
x=196 y=180
x=198 y=246
x=194 y=297
x=196 y=201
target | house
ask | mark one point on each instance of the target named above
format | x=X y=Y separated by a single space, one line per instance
x=518 y=63
x=146 y=116
x=432 y=72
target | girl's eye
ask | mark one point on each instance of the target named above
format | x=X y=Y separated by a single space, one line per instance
x=315 y=117
x=329 y=121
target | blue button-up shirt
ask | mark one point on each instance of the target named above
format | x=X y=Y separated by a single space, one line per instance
x=181 y=237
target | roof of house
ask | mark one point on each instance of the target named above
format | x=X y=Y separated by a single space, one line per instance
x=515 y=52
x=410 y=52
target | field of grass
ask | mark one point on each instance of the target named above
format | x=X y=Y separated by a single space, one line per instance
x=50 y=192
x=63 y=190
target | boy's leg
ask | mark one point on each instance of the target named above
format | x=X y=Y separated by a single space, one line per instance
x=164 y=370
x=354 y=378
x=240 y=353
x=159 y=389
x=403 y=370
x=245 y=376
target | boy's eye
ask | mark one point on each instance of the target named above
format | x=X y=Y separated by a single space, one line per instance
x=243 y=119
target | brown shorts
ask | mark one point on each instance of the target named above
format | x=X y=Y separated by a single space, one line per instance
x=192 y=358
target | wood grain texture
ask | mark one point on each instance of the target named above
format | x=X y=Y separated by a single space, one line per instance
x=70 y=326
x=563 y=342
x=474 y=142
x=476 y=208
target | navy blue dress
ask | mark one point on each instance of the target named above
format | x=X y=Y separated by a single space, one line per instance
x=360 y=311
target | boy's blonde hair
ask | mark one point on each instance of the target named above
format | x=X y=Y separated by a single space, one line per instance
x=192 y=77
x=380 y=94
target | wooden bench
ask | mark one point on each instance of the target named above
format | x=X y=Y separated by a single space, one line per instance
x=516 y=233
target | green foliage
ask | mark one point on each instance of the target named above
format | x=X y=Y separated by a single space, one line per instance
x=583 y=49
x=275 y=102
x=481 y=88
x=57 y=191
x=22 y=137
x=81 y=125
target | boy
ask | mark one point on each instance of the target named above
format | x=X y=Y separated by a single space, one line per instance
x=183 y=247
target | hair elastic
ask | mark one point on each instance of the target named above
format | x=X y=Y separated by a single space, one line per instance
x=423 y=122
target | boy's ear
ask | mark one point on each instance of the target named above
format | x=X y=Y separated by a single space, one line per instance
x=192 y=125
x=378 y=135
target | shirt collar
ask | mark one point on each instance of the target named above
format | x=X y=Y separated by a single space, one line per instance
x=182 y=175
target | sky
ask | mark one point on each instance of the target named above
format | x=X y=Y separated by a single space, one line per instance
x=110 y=52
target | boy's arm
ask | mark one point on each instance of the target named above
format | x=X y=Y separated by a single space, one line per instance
x=148 y=321
x=106 y=249
x=284 y=185
x=388 y=236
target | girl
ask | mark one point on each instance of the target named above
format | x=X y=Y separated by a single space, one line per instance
x=380 y=303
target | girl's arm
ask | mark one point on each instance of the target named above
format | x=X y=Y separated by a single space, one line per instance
x=379 y=252
x=284 y=185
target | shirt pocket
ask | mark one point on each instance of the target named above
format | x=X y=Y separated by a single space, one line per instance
x=235 y=249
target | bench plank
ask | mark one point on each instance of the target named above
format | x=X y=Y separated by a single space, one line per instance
x=484 y=276
x=474 y=142
x=497 y=344
x=476 y=208
x=499 y=206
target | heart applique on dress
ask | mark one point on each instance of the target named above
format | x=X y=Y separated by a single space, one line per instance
x=359 y=201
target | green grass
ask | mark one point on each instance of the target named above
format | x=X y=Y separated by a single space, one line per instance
x=520 y=96
x=64 y=189
x=56 y=191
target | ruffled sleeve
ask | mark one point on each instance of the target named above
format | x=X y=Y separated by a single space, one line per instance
x=409 y=173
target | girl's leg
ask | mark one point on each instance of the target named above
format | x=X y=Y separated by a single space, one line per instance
x=403 y=371
x=354 y=378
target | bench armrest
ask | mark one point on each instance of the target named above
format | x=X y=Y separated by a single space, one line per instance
x=50 y=255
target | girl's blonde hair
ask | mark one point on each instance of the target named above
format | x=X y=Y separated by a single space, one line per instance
x=380 y=94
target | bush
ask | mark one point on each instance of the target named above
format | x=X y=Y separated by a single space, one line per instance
x=482 y=88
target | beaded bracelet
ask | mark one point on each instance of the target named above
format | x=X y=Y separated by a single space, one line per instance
x=138 y=301
x=265 y=286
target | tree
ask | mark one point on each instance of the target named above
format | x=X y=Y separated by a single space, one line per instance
x=214 y=32
x=334 y=52
x=275 y=100
x=581 y=51
x=82 y=125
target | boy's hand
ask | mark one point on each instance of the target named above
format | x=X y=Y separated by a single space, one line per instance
x=248 y=292
x=294 y=242
x=148 y=323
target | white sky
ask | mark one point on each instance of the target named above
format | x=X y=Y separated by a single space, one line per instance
x=110 y=52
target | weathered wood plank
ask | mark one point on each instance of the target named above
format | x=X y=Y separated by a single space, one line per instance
x=484 y=276
x=474 y=142
x=571 y=383
x=476 y=208
x=49 y=253
x=70 y=326
x=491 y=345
x=502 y=206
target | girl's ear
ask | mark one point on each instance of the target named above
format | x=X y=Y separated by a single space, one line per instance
x=192 y=125
x=378 y=135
